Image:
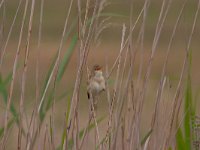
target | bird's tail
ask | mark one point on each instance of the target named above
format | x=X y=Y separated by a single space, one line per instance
x=88 y=94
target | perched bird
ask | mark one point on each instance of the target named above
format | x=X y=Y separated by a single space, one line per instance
x=96 y=83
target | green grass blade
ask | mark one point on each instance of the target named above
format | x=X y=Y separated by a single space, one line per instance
x=146 y=137
x=61 y=71
x=187 y=120
x=66 y=59
x=49 y=73
x=188 y=108
x=4 y=93
x=91 y=126
x=180 y=143
x=8 y=79
x=71 y=142
x=10 y=123
x=41 y=112
x=64 y=136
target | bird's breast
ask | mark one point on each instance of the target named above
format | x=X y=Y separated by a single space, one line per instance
x=97 y=87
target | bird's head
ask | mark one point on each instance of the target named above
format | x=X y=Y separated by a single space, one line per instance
x=97 y=70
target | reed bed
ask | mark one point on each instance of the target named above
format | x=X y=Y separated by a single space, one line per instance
x=174 y=122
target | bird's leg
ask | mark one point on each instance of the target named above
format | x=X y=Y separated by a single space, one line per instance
x=97 y=138
x=95 y=103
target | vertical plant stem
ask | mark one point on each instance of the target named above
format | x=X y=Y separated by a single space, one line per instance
x=85 y=50
x=55 y=67
x=1 y=3
x=13 y=77
x=9 y=34
x=24 y=74
x=178 y=89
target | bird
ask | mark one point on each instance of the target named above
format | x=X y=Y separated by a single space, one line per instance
x=96 y=84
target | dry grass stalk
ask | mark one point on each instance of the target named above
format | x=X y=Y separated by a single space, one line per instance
x=116 y=90
x=55 y=67
x=37 y=85
x=126 y=102
x=35 y=123
x=27 y=51
x=155 y=127
x=154 y=46
x=93 y=115
x=2 y=27
x=133 y=120
x=180 y=84
x=130 y=73
x=85 y=42
x=125 y=43
x=138 y=111
x=13 y=76
x=9 y=34
x=1 y=4
x=161 y=88
x=54 y=72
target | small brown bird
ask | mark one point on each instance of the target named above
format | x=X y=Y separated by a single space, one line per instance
x=96 y=83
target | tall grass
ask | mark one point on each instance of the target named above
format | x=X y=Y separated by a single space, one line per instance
x=174 y=121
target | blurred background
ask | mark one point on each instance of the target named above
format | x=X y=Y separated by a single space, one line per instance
x=103 y=51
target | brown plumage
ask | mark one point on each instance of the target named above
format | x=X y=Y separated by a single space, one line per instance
x=96 y=82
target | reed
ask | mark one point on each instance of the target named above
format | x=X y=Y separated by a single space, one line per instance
x=174 y=122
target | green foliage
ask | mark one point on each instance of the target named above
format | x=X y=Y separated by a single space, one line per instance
x=67 y=56
x=146 y=137
x=10 y=123
x=61 y=71
x=41 y=112
x=180 y=141
x=3 y=90
x=71 y=141
x=4 y=94
x=64 y=136
x=188 y=114
x=184 y=138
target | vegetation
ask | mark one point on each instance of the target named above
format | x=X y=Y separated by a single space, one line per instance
x=30 y=113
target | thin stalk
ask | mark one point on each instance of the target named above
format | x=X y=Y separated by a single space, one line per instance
x=35 y=122
x=27 y=51
x=58 y=56
x=13 y=76
x=161 y=87
x=83 y=58
x=177 y=94
x=2 y=2
x=9 y=34
x=2 y=27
